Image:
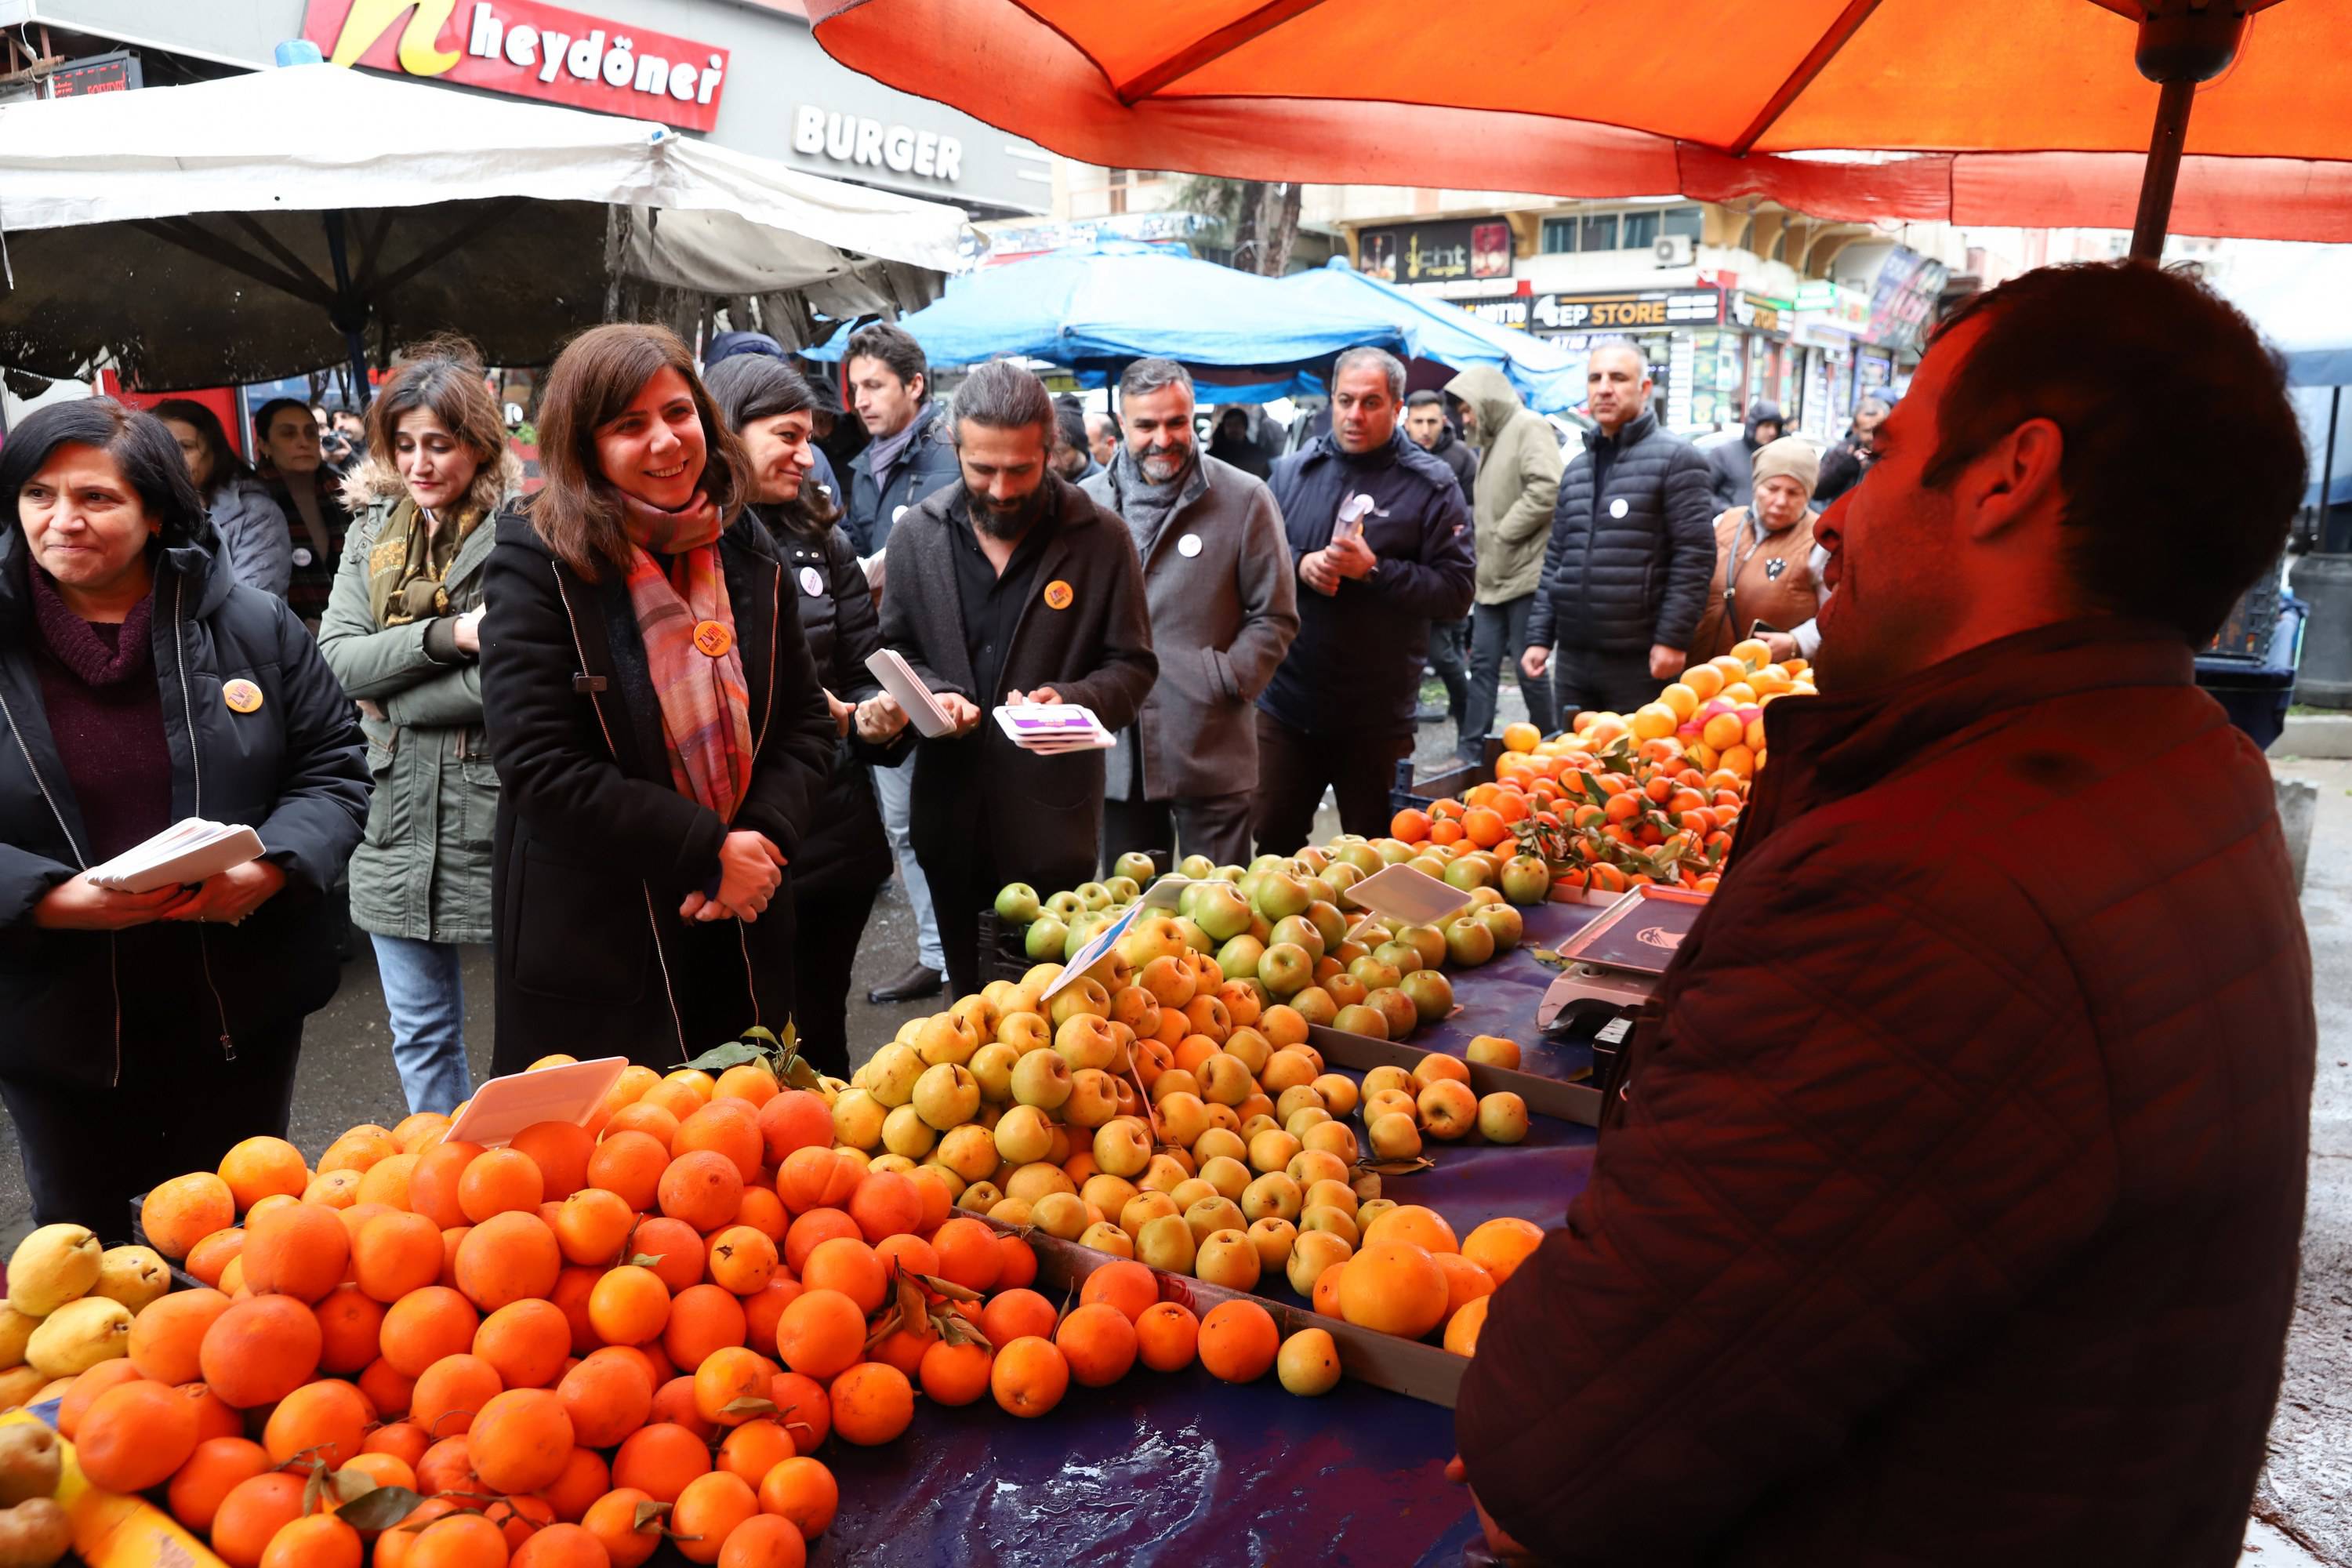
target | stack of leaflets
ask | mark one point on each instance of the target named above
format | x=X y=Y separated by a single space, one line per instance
x=1051 y=729
x=185 y=853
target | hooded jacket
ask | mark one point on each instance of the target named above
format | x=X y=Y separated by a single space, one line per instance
x=423 y=868
x=1356 y=663
x=928 y=463
x=88 y=1008
x=1225 y=607
x=1952 y=1214
x=1518 y=484
x=1633 y=544
x=1731 y=464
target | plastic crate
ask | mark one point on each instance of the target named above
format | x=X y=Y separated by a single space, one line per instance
x=1002 y=954
x=2254 y=689
x=1420 y=792
x=2251 y=632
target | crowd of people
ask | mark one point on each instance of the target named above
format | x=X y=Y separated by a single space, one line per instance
x=1927 y=1144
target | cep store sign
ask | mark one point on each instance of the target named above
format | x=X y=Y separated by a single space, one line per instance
x=529 y=50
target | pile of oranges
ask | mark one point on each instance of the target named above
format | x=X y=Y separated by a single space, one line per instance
x=1623 y=800
x=561 y=1353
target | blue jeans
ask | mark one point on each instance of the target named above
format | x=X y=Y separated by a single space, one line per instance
x=894 y=788
x=422 y=992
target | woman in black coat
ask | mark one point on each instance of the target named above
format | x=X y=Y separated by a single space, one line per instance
x=845 y=859
x=140 y=685
x=661 y=736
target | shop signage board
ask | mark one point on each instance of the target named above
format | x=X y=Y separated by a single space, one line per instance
x=853 y=141
x=115 y=72
x=526 y=49
x=1440 y=252
x=1649 y=310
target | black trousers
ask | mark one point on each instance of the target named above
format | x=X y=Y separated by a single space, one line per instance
x=1293 y=767
x=1617 y=682
x=1217 y=826
x=89 y=1152
x=1499 y=633
x=1449 y=643
x=965 y=877
x=826 y=930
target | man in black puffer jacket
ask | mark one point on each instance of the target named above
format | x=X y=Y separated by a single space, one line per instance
x=1631 y=552
x=1381 y=544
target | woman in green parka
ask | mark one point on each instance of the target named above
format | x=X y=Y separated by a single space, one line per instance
x=403 y=634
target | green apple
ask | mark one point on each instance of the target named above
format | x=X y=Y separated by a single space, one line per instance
x=1526 y=879
x=1404 y=957
x=1093 y=895
x=1431 y=993
x=1017 y=902
x=1504 y=923
x=1064 y=906
x=1286 y=968
x=1281 y=895
x=1363 y=1019
x=1222 y=912
x=1047 y=938
x=1198 y=867
x=1138 y=865
x=1428 y=942
x=1124 y=891
x=1468 y=942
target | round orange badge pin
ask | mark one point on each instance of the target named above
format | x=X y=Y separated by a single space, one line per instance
x=242 y=696
x=713 y=638
x=1057 y=595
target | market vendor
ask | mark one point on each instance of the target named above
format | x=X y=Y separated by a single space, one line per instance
x=140 y=686
x=661 y=732
x=1768 y=567
x=1950 y=1213
x=1011 y=586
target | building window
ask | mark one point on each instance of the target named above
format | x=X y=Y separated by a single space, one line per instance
x=1618 y=231
x=1559 y=236
x=1600 y=232
x=1685 y=221
x=1640 y=230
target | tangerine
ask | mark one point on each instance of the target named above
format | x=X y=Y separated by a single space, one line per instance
x=822 y=1333
x=703 y=1188
x=318 y=1541
x=763 y=1541
x=167 y=1337
x=561 y=1150
x=216 y=1465
x=134 y=1435
x=1167 y=1336
x=526 y=1341
x=507 y=1257
x=326 y=1421
x=182 y=1211
x=1098 y=1342
x=709 y=1511
x=1029 y=1376
x=521 y=1440
x=250 y=1513
x=629 y=1305
x=872 y=1403
x=424 y=1325
x=659 y=1461
x=954 y=1374
x=803 y=1491
x=260 y=1350
x=1238 y=1342
x=608 y=1396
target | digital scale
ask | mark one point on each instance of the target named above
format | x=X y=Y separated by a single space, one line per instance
x=1614 y=966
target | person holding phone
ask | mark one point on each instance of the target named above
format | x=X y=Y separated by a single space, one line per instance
x=1767 y=567
x=663 y=738
x=142 y=685
x=403 y=633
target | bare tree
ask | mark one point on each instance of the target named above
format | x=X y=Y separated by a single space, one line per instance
x=1261 y=216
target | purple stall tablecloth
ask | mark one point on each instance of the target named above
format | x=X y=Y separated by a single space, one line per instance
x=1159 y=1468
x=1500 y=997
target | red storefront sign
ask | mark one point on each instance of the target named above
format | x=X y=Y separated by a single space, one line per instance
x=530 y=50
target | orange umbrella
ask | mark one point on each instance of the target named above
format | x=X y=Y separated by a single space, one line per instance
x=2026 y=112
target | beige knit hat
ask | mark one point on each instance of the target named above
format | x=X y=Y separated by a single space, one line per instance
x=1791 y=457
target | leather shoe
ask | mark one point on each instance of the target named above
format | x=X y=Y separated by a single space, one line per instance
x=920 y=980
x=1426 y=714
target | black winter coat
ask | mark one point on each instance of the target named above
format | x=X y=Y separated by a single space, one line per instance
x=1629 y=566
x=86 y=1009
x=1462 y=459
x=1356 y=663
x=1043 y=814
x=844 y=850
x=928 y=464
x=595 y=848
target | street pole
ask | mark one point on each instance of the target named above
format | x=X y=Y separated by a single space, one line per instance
x=2181 y=43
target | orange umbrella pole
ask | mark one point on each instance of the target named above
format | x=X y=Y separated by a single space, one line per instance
x=2181 y=43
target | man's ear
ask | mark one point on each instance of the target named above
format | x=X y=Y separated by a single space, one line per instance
x=2015 y=482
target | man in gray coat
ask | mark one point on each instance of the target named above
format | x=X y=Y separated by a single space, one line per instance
x=1224 y=609
x=1518 y=483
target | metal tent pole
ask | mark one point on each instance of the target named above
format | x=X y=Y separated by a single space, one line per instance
x=2181 y=43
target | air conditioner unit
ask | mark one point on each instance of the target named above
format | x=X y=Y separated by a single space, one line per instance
x=1672 y=251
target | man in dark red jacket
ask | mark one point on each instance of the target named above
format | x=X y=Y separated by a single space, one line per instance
x=1951 y=1214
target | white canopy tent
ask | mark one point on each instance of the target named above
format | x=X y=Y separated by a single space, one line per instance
x=273 y=222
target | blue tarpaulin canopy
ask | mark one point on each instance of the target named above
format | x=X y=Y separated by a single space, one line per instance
x=1549 y=377
x=1097 y=310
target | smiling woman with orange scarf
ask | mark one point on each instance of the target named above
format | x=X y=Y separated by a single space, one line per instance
x=661 y=733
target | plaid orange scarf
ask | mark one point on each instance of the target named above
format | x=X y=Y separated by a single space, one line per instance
x=679 y=595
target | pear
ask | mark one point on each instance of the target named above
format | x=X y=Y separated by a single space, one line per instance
x=133 y=1276
x=15 y=1329
x=78 y=1335
x=30 y=1462
x=51 y=1266
x=34 y=1535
